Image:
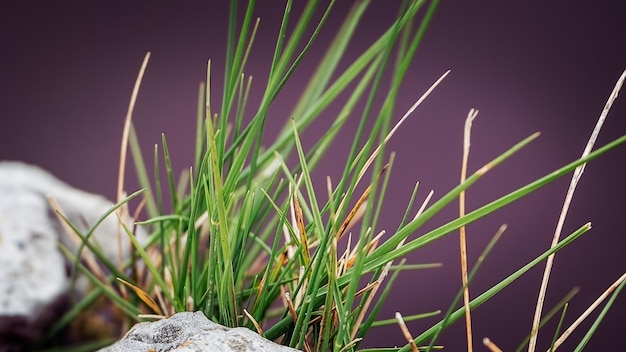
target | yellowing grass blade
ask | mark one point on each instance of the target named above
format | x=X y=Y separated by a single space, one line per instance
x=143 y=296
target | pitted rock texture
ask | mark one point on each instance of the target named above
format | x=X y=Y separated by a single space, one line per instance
x=33 y=275
x=192 y=332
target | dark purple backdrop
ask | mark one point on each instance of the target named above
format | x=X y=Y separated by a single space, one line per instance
x=67 y=71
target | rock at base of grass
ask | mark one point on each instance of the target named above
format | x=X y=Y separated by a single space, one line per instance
x=33 y=274
x=187 y=332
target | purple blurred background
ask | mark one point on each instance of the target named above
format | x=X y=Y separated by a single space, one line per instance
x=68 y=69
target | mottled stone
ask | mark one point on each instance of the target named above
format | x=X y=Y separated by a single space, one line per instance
x=192 y=332
x=33 y=275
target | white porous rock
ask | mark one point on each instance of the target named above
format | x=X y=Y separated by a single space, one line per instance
x=192 y=332
x=33 y=275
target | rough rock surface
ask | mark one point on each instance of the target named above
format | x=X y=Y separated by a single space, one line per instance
x=187 y=332
x=33 y=275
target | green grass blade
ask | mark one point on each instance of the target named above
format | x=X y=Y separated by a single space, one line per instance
x=227 y=288
x=140 y=168
x=413 y=317
x=476 y=302
x=199 y=128
x=170 y=174
x=558 y=328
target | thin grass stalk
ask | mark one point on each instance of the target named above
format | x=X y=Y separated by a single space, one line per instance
x=568 y=198
x=242 y=103
x=491 y=345
x=319 y=149
x=409 y=318
x=159 y=202
x=141 y=170
x=461 y=292
x=169 y=172
x=199 y=149
x=263 y=224
x=127 y=127
x=234 y=64
x=281 y=69
x=462 y=236
x=558 y=328
x=123 y=150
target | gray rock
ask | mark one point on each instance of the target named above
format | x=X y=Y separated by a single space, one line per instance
x=33 y=275
x=187 y=332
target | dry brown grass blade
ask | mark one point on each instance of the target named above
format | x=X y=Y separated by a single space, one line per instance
x=151 y=316
x=254 y=322
x=367 y=249
x=587 y=312
x=294 y=315
x=143 y=296
x=164 y=306
x=424 y=204
x=262 y=283
x=127 y=125
x=490 y=345
x=462 y=239
x=356 y=211
x=168 y=281
x=352 y=214
x=329 y=194
x=301 y=229
x=352 y=258
x=343 y=262
x=397 y=125
x=350 y=344
x=290 y=248
x=305 y=284
x=292 y=309
x=370 y=247
x=123 y=211
x=374 y=154
x=568 y=198
x=406 y=332
x=370 y=298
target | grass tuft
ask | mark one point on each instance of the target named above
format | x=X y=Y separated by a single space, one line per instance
x=252 y=240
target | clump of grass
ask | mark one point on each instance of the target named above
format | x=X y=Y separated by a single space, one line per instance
x=248 y=241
